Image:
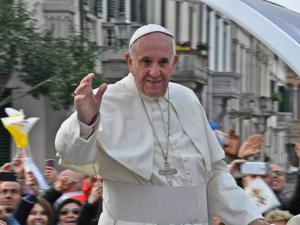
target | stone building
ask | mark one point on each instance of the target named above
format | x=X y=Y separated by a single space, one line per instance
x=233 y=73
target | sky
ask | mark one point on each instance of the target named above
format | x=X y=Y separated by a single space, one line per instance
x=290 y=4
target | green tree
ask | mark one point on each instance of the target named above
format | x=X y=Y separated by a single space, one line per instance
x=52 y=67
x=15 y=32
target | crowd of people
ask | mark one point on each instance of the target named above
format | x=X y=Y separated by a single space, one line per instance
x=74 y=199
x=275 y=176
x=70 y=199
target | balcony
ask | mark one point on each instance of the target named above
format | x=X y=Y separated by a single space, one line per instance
x=117 y=34
x=225 y=84
x=294 y=132
x=285 y=120
x=252 y=105
x=191 y=69
x=115 y=44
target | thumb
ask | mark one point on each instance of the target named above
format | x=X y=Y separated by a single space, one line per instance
x=102 y=88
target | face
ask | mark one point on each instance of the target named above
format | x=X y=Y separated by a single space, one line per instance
x=278 y=178
x=10 y=195
x=152 y=63
x=279 y=223
x=37 y=216
x=69 y=214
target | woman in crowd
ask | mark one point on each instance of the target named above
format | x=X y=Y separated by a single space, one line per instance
x=68 y=212
x=41 y=213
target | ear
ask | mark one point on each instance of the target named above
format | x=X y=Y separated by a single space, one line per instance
x=128 y=60
x=175 y=61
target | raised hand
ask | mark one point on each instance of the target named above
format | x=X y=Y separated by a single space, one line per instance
x=251 y=146
x=232 y=143
x=234 y=167
x=18 y=165
x=87 y=103
x=50 y=173
x=31 y=183
x=63 y=183
x=96 y=191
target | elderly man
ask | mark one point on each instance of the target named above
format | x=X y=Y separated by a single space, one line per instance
x=152 y=144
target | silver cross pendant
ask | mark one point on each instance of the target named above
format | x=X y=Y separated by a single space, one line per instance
x=168 y=172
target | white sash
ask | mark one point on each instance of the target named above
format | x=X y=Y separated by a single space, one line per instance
x=155 y=204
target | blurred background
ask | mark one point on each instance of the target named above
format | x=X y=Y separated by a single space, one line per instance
x=238 y=59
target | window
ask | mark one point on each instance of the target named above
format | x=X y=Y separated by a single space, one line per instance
x=4 y=135
x=99 y=8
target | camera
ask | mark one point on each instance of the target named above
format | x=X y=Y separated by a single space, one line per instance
x=253 y=168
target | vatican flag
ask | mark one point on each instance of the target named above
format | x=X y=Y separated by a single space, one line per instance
x=18 y=126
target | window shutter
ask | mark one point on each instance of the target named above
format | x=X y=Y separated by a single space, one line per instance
x=4 y=135
x=99 y=8
x=143 y=11
x=133 y=10
x=111 y=9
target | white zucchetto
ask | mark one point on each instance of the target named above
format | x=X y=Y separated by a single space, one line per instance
x=147 y=29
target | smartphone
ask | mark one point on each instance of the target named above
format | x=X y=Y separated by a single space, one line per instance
x=50 y=162
x=253 y=168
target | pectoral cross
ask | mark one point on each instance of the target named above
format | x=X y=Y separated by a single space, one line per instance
x=167 y=172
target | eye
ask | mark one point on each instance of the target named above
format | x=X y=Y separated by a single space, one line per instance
x=145 y=61
x=164 y=62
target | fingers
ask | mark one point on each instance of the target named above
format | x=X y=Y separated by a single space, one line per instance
x=101 y=91
x=6 y=167
x=234 y=167
x=235 y=163
x=85 y=85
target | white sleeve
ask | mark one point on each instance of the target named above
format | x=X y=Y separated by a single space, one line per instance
x=227 y=200
x=71 y=144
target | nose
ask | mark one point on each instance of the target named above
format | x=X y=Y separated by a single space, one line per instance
x=155 y=70
x=7 y=195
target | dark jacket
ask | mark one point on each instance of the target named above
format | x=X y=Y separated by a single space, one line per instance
x=292 y=203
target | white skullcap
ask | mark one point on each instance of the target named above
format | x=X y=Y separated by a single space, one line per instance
x=147 y=29
x=294 y=220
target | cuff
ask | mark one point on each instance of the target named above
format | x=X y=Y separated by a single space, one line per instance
x=87 y=130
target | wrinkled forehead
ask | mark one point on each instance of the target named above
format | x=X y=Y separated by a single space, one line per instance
x=275 y=168
x=10 y=185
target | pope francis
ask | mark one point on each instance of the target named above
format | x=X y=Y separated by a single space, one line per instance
x=151 y=142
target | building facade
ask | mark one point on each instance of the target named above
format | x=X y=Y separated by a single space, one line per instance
x=235 y=76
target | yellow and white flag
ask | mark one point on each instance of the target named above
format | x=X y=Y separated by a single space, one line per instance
x=18 y=126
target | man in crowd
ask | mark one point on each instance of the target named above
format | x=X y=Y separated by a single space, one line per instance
x=290 y=203
x=10 y=191
x=152 y=144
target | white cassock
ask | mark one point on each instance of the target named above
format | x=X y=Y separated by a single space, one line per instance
x=124 y=151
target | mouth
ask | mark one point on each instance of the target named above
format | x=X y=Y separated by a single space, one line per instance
x=9 y=203
x=38 y=223
x=153 y=81
x=70 y=222
x=275 y=183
